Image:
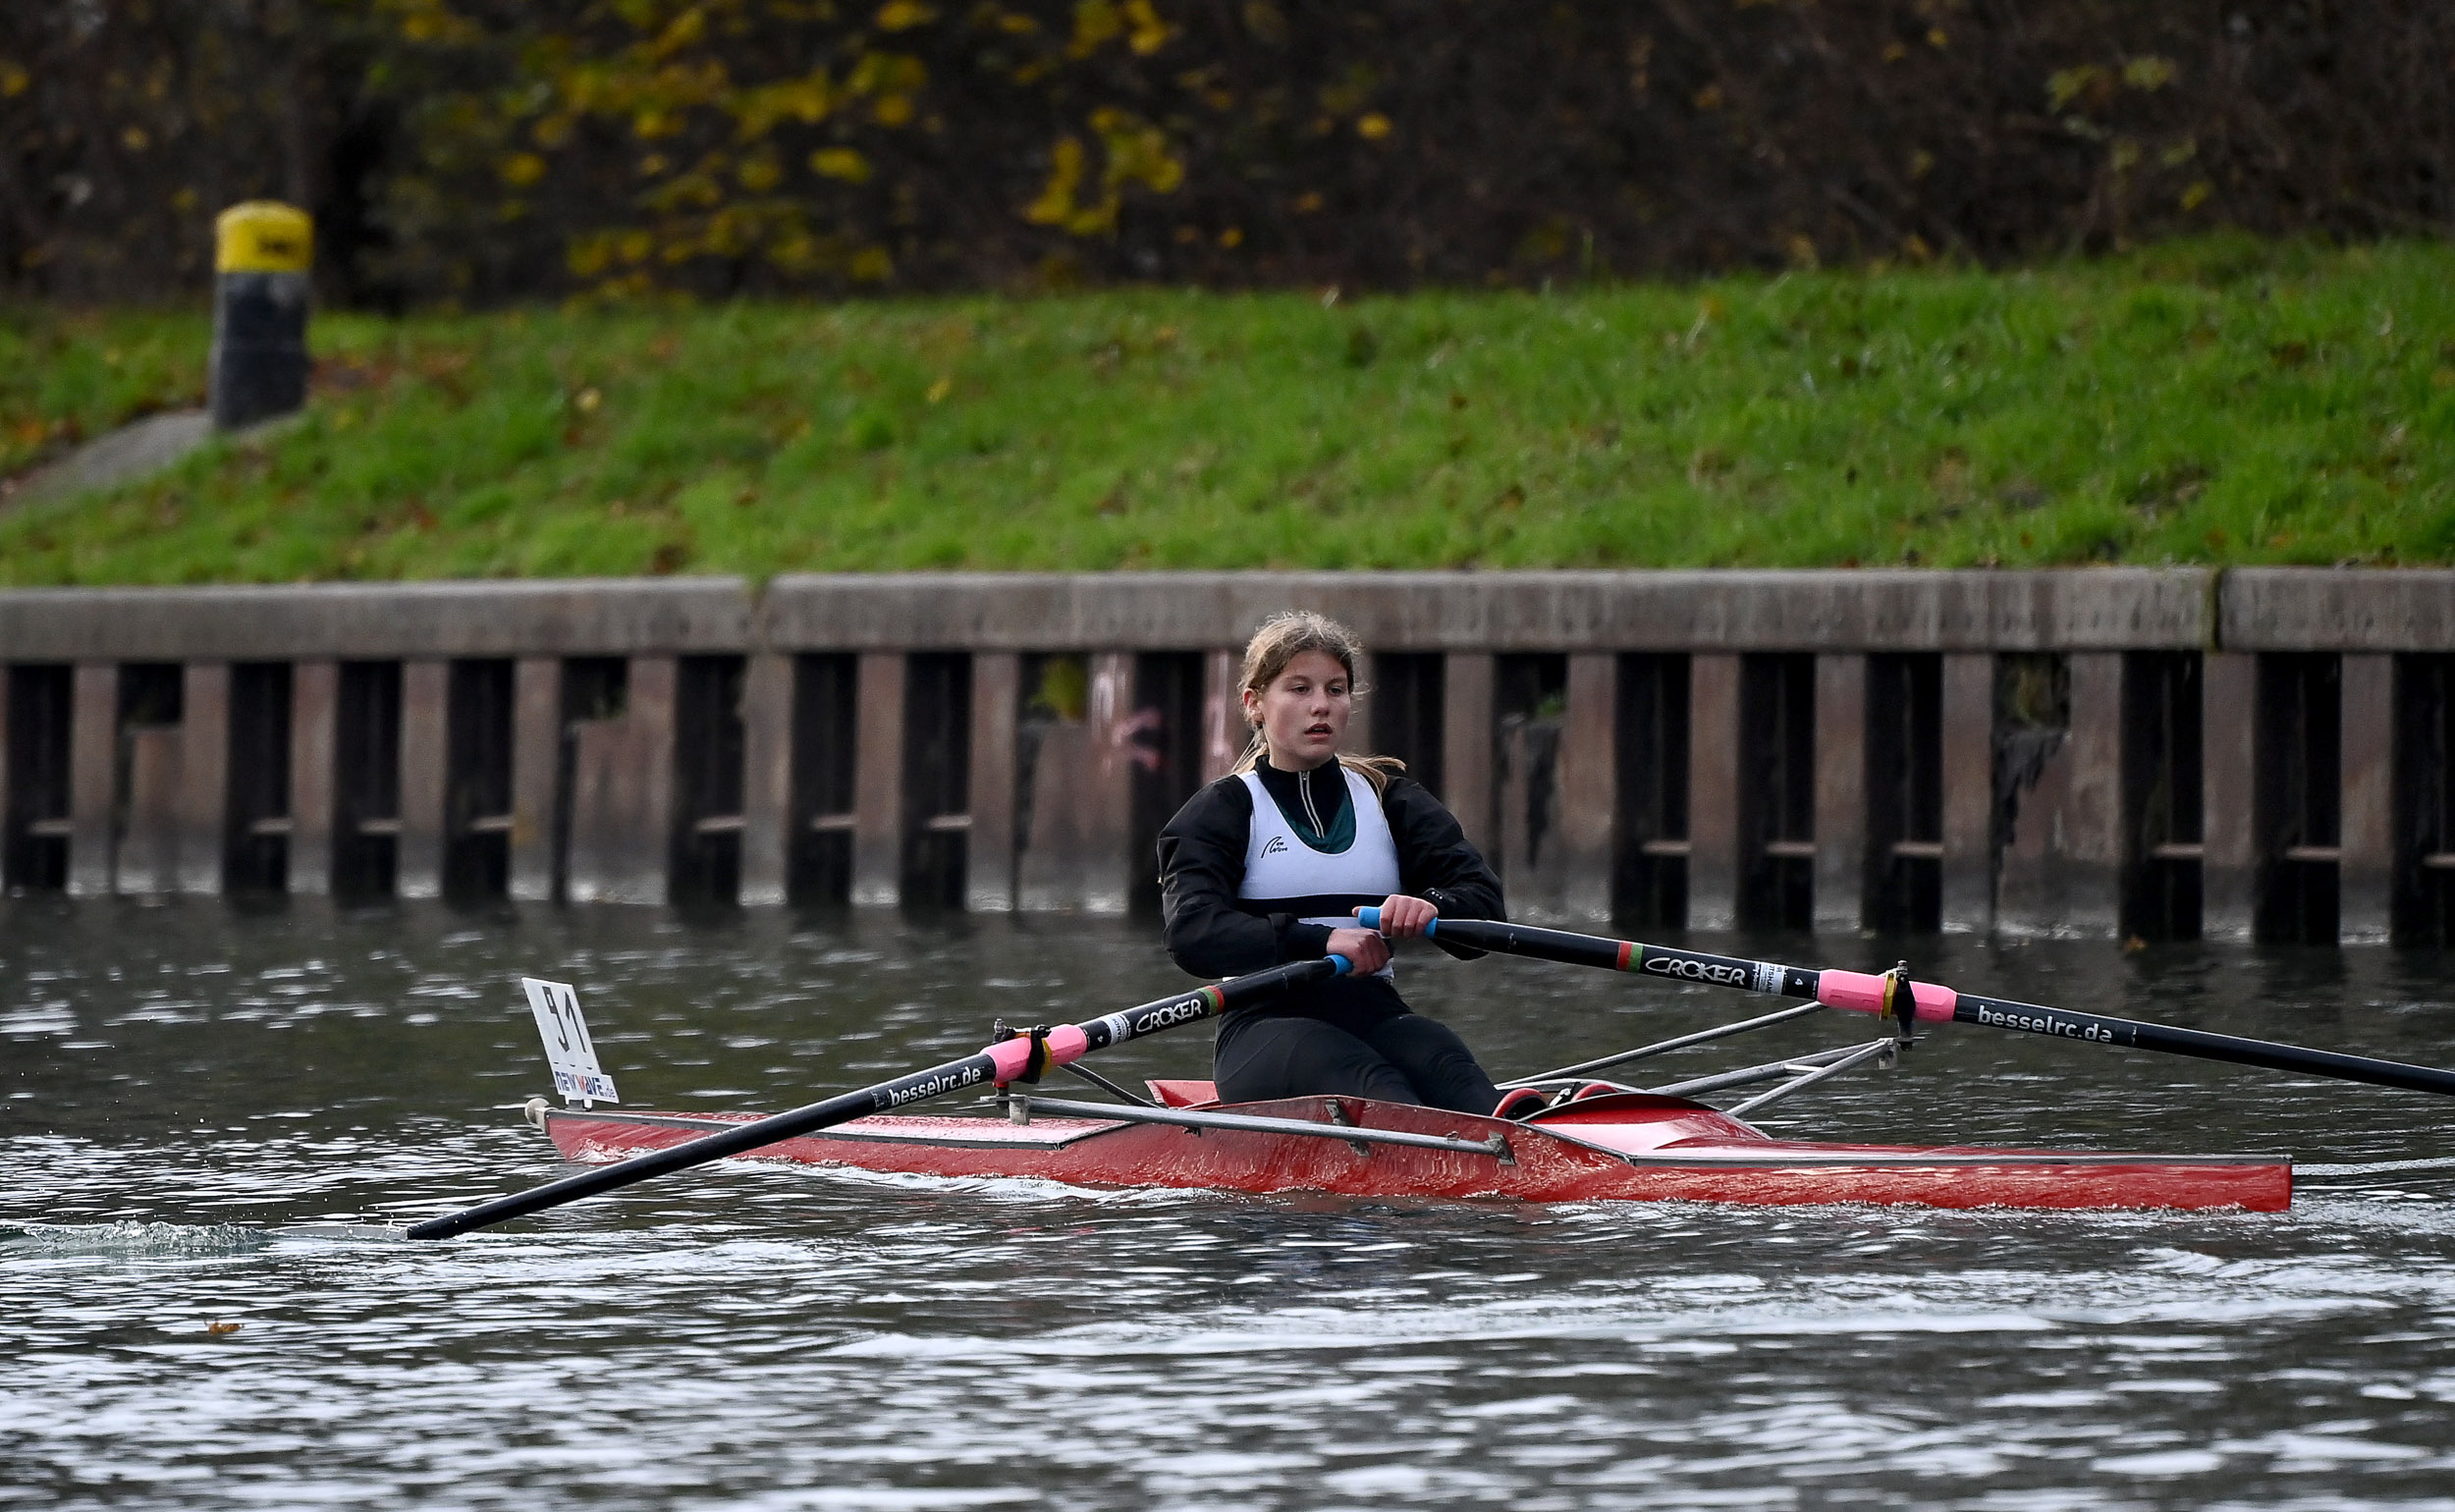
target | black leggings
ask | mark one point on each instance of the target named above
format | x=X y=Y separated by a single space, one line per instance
x=1399 y=1058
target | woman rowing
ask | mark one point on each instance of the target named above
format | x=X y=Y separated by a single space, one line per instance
x=1270 y=863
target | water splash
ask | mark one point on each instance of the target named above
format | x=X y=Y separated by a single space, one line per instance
x=130 y=1241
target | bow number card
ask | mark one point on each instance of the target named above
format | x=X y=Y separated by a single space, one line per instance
x=568 y=1049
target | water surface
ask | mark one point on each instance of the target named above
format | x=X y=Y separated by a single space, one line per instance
x=209 y=1119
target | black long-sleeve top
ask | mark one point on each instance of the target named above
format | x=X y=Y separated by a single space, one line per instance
x=1202 y=864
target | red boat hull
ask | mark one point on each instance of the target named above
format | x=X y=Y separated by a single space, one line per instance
x=1630 y=1148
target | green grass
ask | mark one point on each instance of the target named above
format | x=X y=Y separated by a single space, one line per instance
x=68 y=379
x=2217 y=402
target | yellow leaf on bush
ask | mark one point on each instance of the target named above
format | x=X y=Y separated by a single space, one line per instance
x=590 y=256
x=759 y=172
x=904 y=15
x=2148 y=72
x=1147 y=33
x=685 y=31
x=1373 y=126
x=1095 y=22
x=1056 y=205
x=840 y=163
x=2067 y=85
x=521 y=169
x=872 y=265
x=1264 y=20
x=2196 y=195
x=757 y=111
x=886 y=73
x=1137 y=152
x=797 y=253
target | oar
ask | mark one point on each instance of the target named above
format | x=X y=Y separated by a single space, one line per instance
x=1862 y=992
x=1022 y=1058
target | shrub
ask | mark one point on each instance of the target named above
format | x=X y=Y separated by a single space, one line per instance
x=484 y=149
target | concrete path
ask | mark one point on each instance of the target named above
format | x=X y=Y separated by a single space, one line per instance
x=125 y=455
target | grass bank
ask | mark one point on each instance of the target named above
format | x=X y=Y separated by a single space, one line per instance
x=2219 y=402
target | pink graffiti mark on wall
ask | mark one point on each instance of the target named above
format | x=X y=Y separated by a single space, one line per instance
x=1136 y=737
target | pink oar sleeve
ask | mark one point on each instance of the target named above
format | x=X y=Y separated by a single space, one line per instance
x=1013 y=1058
x=1861 y=992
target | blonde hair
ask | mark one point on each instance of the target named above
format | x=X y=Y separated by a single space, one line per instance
x=1280 y=640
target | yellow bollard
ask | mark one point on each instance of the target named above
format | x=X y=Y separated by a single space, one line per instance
x=262 y=254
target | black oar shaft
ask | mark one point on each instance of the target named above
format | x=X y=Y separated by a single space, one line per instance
x=2065 y=1024
x=1558 y=945
x=1857 y=990
x=937 y=1081
x=971 y=1071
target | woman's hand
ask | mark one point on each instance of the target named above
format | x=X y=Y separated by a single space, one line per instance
x=1366 y=952
x=1403 y=917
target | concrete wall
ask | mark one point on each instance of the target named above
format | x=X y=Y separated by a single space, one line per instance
x=1052 y=796
x=2110 y=608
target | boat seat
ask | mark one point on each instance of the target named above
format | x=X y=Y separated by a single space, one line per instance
x=1183 y=1094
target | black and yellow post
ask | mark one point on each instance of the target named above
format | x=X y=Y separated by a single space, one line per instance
x=260 y=258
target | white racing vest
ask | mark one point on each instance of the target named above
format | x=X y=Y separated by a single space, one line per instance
x=1285 y=875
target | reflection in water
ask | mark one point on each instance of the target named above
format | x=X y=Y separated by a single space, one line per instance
x=208 y=1118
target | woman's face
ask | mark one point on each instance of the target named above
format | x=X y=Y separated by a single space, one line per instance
x=1303 y=713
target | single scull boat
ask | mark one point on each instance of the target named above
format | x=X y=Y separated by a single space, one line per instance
x=1610 y=1142
x=1623 y=1147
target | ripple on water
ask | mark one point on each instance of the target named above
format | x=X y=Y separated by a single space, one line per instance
x=769 y=1336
